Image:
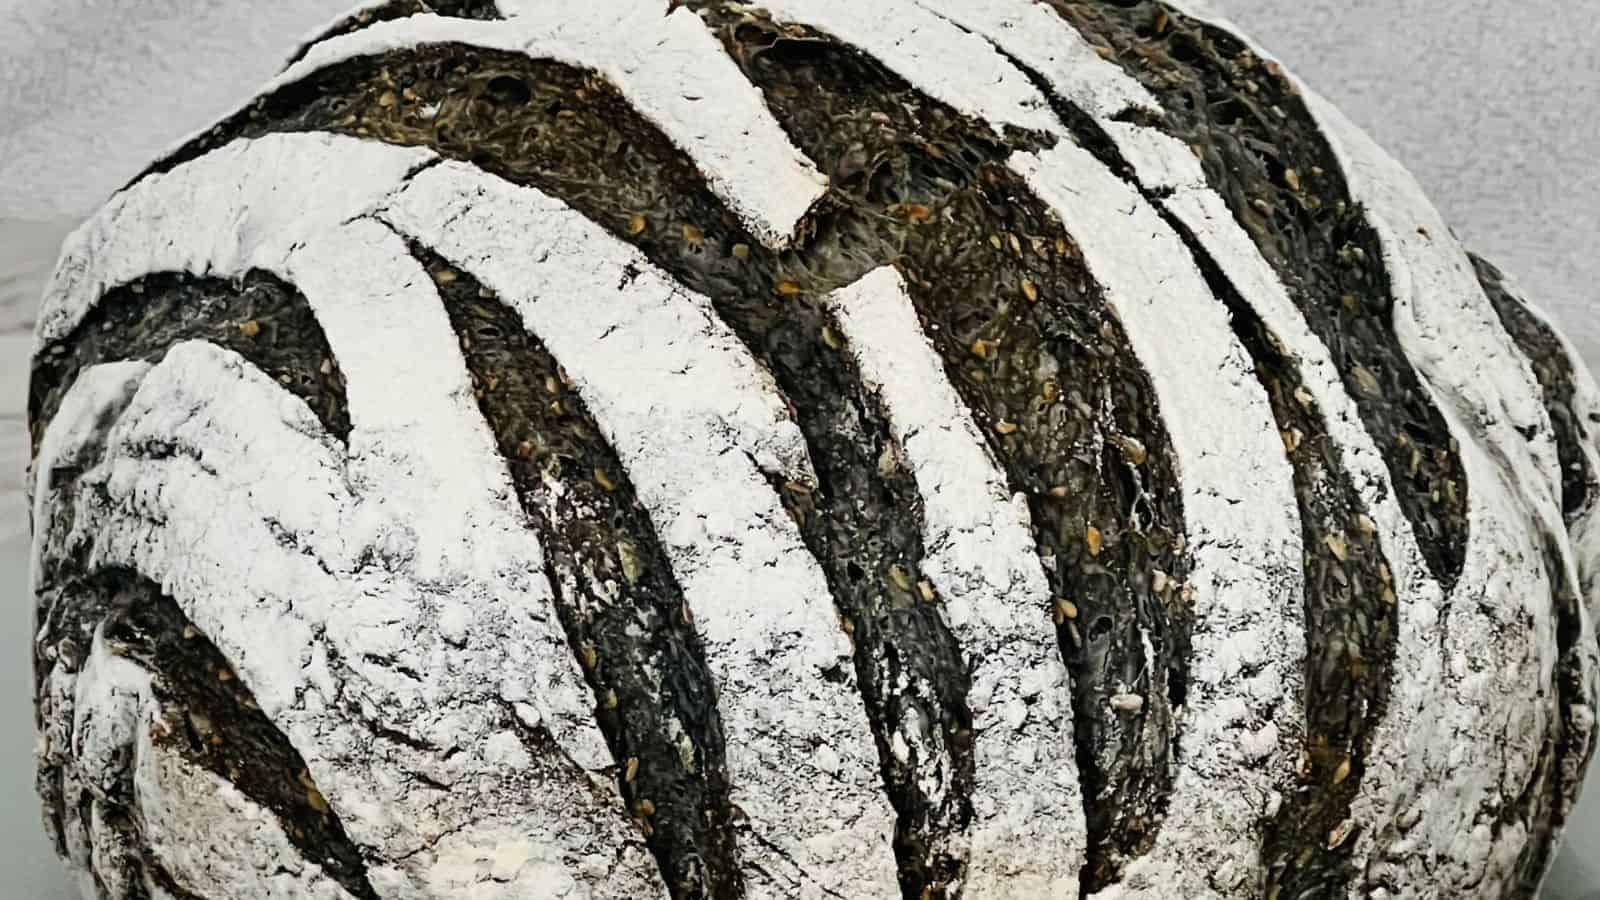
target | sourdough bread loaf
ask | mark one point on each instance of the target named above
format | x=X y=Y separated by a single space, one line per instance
x=805 y=449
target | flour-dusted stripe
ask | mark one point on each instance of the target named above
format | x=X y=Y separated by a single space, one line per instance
x=213 y=840
x=209 y=718
x=215 y=477
x=1580 y=662
x=111 y=696
x=1248 y=641
x=367 y=13
x=930 y=52
x=1448 y=706
x=437 y=503
x=1028 y=833
x=1167 y=171
x=1569 y=395
x=614 y=586
x=352 y=19
x=464 y=610
x=259 y=316
x=1037 y=37
x=1584 y=524
x=421 y=454
x=667 y=66
x=1240 y=739
x=1553 y=365
x=540 y=254
x=438 y=497
x=240 y=207
x=701 y=429
x=1287 y=189
x=111 y=704
x=1501 y=607
x=1445 y=322
x=1167 y=167
x=75 y=439
x=1442 y=314
x=196 y=826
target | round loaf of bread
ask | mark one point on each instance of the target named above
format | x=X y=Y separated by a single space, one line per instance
x=819 y=449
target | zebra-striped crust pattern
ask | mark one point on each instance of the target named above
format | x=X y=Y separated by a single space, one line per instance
x=456 y=659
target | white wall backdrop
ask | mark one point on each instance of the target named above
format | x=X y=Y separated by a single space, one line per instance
x=1494 y=104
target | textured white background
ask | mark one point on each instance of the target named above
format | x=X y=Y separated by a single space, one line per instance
x=1494 y=104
